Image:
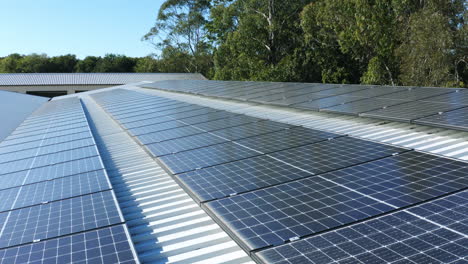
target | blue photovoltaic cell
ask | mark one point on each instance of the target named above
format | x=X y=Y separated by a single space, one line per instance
x=410 y=111
x=456 y=119
x=169 y=134
x=286 y=138
x=238 y=176
x=335 y=154
x=64 y=169
x=156 y=128
x=251 y=129
x=275 y=215
x=405 y=179
x=105 y=245
x=184 y=144
x=59 y=218
x=205 y=157
x=423 y=234
x=45 y=160
x=60 y=188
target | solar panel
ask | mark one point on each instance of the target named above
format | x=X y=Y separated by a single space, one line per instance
x=156 y=128
x=184 y=144
x=284 y=139
x=459 y=97
x=205 y=157
x=59 y=218
x=226 y=122
x=288 y=211
x=169 y=134
x=417 y=93
x=46 y=160
x=404 y=179
x=250 y=129
x=361 y=106
x=61 y=188
x=299 y=99
x=237 y=177
x=421 y=234
x=335 y=154
x=105 y=245
x=410 y=111
x=456 y=119
x=327 y=102
x=212 y=116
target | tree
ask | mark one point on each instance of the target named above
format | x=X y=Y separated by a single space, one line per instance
x=261 y=41
x=10 y=64
x=180 y=29
x=147 y=64
x=65 y=63
x=115 y=63
x=88 y=64
x=34 y=63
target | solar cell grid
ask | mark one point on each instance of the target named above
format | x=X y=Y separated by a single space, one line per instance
x=239 y=176
x=410 y=111
x=300 y=208
x=164 y=111
x=205 y=157
x=207 y=117
x=361 y=106
x=168 y=134
x=64 y=169
x=401 y=237
x=148 y=122
x=105 y=245
x=50 y=128
x=136 y=110
x=299 y=99
x=45 y=150
x=156 y=127
x=175 y=115
x=284 y=139
x=417 y=93
x=59 y=218
x=61 y=188
x=184 y=144
x=459 y=97
x=405 y=179
x=43 y=136
x=250 y=129
x=226 y=122
x=455 y=119
x=327 y=102
x=335 y=154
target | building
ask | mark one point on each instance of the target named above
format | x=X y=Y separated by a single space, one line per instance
x=56 y=84
x=196 y=171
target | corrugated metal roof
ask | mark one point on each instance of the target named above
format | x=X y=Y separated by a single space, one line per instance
x=166 y=225
x=14 y=108
x=12 y=79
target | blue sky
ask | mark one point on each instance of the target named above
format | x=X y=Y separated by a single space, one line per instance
x=81 y=27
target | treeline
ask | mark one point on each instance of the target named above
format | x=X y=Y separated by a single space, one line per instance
x=398 y=42
x=34 y=63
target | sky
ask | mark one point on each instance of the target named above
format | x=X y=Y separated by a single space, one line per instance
x=80 y=27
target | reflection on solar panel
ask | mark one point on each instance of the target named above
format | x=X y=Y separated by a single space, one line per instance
x=410 y=111
x=269 y=184
x=456 y=119
x=361 y=106
x=207 y=156
x=328 y=102
x=429 y=233
x=106 y=245
x=459 y=97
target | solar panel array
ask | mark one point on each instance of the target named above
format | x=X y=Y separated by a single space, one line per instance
x=283 y=191
x=57 y=202
x=443 y=107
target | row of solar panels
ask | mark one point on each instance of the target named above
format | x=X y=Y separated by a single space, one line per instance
x=269 y=184
x=443 y=107
x=57 y=204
